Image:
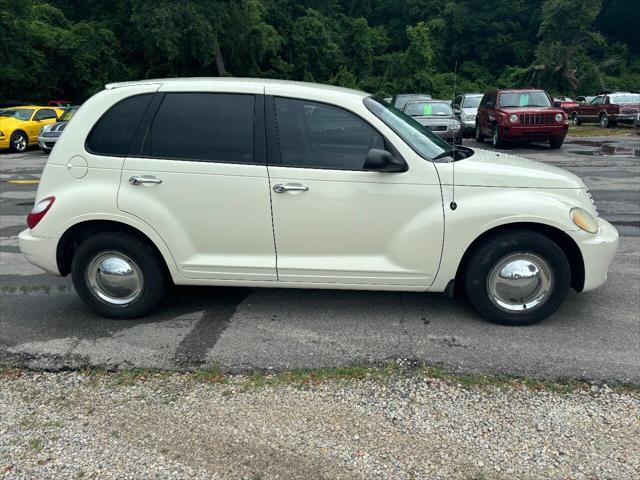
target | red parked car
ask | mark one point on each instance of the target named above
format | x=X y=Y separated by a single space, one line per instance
x=608 y=110
x=520 y=115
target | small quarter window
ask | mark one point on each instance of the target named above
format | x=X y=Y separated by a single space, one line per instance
x=112 y=134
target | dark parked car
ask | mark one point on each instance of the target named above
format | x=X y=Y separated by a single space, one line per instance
x=465 y=107
x=400 y=100
x=608 y=109
x=49 y=134
x=437 y=116
x=520 y=115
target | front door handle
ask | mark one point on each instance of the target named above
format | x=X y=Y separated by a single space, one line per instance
x=280 y=188
x=138 y=180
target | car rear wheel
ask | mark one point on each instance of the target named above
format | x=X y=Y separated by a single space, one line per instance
x=496 y=141
x=604 y=120
x=118 y=275
x=517 y=278
x=575 y=119
x=19 y=142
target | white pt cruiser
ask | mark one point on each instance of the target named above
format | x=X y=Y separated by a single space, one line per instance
x=266 y=183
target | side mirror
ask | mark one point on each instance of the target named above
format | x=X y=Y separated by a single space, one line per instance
x=378 y=160
x=557 y=104
x=456 y=109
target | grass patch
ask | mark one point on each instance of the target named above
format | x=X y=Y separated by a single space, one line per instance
x=35 y=444
x=597 y=131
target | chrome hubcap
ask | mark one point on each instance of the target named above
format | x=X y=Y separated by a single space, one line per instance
x=20 y=142
x=520 y=282
x=114 y=278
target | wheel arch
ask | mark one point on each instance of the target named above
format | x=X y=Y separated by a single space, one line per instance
x=77 y=233
x=560 y=238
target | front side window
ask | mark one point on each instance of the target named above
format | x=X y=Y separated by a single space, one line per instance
x=524 y=99
x=425 y=143
x=597 y=100
x=45 y=114
x=112 y=134
x=205 y=127
x=316 y=135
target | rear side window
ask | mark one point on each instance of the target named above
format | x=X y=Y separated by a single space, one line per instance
x=209 y=127
x=112 y=134
x=315 y=135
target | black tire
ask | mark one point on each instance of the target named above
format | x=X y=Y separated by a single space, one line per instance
x=46 y=150
x=556 y=142
x=604 y=120
x=492 y=252
x=479 y=134
x=575 y=119
x=496 y=141
x=19 y=142
x=151 y=265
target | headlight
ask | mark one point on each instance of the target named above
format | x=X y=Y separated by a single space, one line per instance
x=583 y=220
x=514 y=118
x=454 y=126
x=558 y=117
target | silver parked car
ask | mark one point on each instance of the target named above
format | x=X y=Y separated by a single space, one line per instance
x=49 y=134
x=438 y=117
x=465 y=107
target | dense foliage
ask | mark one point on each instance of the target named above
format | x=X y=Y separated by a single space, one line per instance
x=71 y=48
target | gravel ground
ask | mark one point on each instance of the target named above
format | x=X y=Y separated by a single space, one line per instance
x=76 y=425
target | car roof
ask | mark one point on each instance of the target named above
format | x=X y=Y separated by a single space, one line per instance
x=27 y=106
x=231 y=82
x=472 y=94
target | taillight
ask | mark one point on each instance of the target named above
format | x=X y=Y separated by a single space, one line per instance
x=38 y=212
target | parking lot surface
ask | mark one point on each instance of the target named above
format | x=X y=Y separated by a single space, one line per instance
x=594 y=336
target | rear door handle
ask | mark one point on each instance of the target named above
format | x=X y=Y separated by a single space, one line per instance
x=280 y=188
x=138 y=180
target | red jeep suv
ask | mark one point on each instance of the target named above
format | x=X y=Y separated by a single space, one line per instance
x=520 y=115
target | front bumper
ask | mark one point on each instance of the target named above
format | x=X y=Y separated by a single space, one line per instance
x=533 y=132
x=469 y=124
x=597 y=253
x=40 y=251
x=47 y=143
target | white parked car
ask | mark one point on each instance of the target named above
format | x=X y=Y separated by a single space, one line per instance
x=266 y=183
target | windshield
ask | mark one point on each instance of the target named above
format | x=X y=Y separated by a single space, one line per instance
x=402 y=100
x=427 y=109
x=426 y=144
x=471 y=102
x=19 y=113
x=66 y=116
x=625 y=98
x=524 y=99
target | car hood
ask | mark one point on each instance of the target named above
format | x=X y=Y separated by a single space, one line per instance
x=494 y=169
x=470 y=110
x=510 y=110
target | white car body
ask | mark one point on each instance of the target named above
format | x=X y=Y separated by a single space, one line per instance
x=222 y=223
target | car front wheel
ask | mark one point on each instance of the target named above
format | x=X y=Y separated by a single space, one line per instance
x=604 y=120
x=118 y=275
x=19 y=142
x=496 y=141
x=517 y=278
x=556 y=142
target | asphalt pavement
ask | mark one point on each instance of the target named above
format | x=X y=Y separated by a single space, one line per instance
x=594 y=336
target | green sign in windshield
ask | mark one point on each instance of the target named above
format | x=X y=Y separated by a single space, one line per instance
x=427 y=109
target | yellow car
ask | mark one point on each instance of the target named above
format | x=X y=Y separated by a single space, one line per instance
x=19 y=126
